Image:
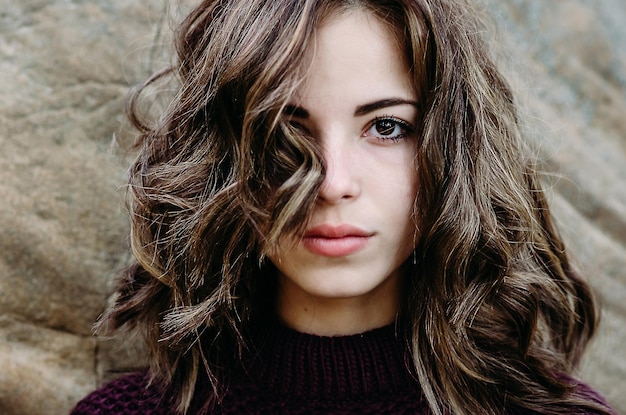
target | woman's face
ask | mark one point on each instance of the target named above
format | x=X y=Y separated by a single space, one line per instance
x=342 y=276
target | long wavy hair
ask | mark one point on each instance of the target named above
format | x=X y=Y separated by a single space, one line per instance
x=494 y=314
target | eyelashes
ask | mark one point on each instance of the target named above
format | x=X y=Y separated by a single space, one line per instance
x=382 y=128
x=388 y=127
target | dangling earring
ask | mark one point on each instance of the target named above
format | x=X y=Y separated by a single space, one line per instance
x=415 y=232
x=415 y=244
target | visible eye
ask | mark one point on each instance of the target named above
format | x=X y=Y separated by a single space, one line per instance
x=389 y=128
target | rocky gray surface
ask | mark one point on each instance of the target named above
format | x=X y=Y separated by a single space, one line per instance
x=65 y=67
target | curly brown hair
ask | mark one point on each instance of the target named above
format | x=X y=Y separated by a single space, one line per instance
x=494 y=312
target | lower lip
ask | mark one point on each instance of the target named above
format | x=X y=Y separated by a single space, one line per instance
x=335 y=247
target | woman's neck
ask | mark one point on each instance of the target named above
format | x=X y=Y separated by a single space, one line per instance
x=325 y=316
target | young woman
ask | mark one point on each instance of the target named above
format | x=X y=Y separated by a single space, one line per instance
x=337 y=214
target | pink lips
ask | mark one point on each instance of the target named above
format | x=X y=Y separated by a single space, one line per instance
x=335 y=241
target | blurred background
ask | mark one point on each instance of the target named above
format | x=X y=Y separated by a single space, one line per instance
x=65 y=69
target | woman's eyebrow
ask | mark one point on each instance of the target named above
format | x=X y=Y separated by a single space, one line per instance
x=299 y=112
x=383 y=103
x=295 y=111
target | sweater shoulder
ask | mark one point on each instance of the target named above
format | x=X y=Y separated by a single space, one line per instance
x=590 y=394
x=128 y=395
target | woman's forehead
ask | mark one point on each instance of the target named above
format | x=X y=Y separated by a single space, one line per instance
x=356 y=53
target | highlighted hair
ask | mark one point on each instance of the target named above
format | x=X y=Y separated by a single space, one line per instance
x=494 y=313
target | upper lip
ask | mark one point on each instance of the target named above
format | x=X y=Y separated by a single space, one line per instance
x=335 y=231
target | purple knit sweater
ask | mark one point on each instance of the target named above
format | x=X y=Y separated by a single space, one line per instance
x=293 y=374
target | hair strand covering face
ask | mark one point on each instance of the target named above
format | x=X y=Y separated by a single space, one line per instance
x=494 y=313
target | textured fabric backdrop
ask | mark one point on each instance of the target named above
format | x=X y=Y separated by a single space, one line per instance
x=65 y=67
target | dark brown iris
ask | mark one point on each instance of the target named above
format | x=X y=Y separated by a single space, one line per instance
x=385 y=127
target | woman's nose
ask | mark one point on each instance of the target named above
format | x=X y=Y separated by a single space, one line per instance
x=341 y=180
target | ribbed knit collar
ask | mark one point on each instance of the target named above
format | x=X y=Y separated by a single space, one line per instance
x=304 y=366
